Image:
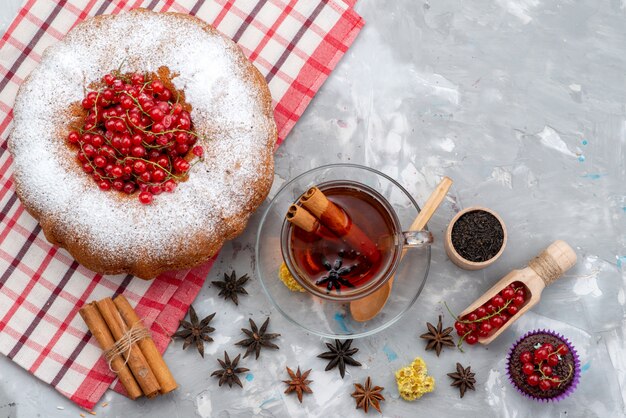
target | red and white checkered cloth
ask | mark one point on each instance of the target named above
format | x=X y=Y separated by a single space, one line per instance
x=294 y=43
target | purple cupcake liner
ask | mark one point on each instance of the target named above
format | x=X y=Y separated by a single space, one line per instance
x=572 y=350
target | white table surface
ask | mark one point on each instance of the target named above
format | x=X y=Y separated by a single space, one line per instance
x=523 y=104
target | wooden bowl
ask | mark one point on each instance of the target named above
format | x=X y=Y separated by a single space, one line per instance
x=456 y=258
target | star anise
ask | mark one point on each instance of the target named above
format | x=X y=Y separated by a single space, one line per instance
x=257 y=338
x=298 y=383
x=228 y=373
x=437 y=337
x=463 y=378
x=231 y=285
x=334 y=278
x=195 y=331
x=367 y=395
x=339 y=355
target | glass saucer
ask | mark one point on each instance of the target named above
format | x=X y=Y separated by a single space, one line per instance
x=327 y=318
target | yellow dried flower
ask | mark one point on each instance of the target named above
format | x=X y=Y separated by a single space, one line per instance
x=413 y=380
x=285 y=276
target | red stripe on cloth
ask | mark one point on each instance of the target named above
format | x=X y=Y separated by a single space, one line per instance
x=276 y=36
x=20 y=343
x=18 y=19
x=80 y=13
x=248 y=19
x=66 y=322
x=301 y=18
x=29 y=286
x=5 y=123
x=39 y=240
x=8 y=206
x=225 y=8
x=7 y=273
x=50 y=30
x=196 y=7
x=29 y=306
x=5 y=107
x=165 y=7
x=93 y=387
x=8 y=184
x=31 y=45
x=295 y=101
x=11 y=222
x=305 y=25
x=35 y=346
x=272 y=30
x=20 y=46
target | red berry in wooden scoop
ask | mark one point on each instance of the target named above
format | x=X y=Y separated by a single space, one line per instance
x=471 y=339
x=498 y=301
x=484 y=320
x=508 y=293
x=496 y=322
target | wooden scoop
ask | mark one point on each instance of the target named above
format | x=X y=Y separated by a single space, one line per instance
x=368 y=307
x=542 y=271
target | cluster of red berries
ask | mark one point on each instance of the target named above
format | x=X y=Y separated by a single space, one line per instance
x=136 y=136
x=489 y=317
x=538 y=365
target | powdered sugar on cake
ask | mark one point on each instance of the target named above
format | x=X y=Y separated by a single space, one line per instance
x=227 y=110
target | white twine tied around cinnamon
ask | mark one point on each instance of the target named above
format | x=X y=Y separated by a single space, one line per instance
x=546 y=267
x=122 y=346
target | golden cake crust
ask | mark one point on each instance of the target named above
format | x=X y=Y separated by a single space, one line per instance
x=113 y=233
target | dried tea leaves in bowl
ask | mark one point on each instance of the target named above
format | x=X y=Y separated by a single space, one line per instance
x=477 y=236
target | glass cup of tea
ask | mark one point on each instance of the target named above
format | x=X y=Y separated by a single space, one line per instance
x=354 y=247
x=382 y=209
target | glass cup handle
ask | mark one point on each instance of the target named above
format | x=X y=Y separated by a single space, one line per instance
x=416 y=239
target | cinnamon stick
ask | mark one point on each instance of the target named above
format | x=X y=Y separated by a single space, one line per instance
x=301 y=218
x=136 y=360
x=338 y=221
x=100 y=331
x=147 y=347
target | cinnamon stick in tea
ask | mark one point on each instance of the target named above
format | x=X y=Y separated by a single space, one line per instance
x=136 y=360
x=147 y=346
x=100 y=331
x=302 y=218
x=338 y=221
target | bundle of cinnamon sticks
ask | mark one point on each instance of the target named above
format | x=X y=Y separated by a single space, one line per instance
x=128 y=347
x=318 y=214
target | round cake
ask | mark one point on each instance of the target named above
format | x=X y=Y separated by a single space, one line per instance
x=543 y=366
x=169 y=118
